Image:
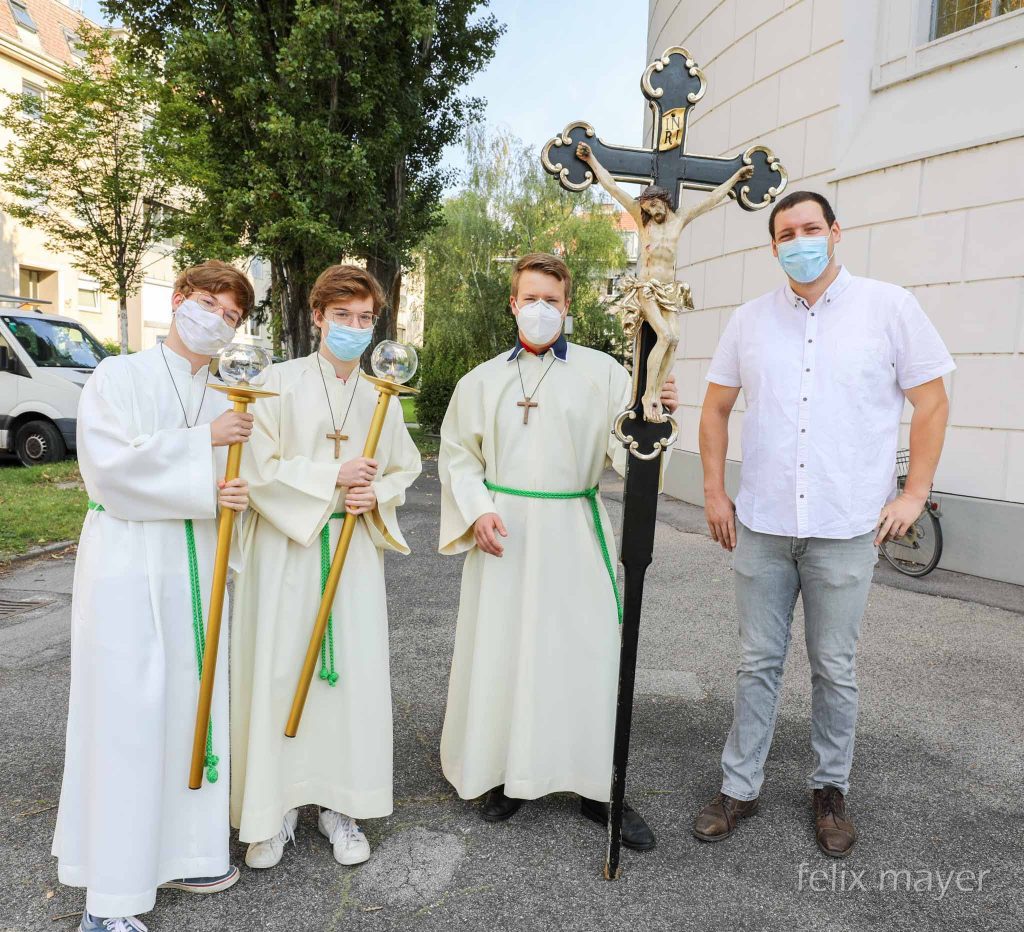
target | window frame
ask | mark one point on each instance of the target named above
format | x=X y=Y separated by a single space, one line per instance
x=35 y=91
x=71 y=37
x=18 y=7
x=924 y=55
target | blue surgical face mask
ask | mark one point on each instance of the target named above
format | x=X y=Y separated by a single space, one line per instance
x=348 y=343
x=804 y=259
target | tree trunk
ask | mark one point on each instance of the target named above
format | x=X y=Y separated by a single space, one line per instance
x=122 y=319
x=296 y=318
x=389 y=273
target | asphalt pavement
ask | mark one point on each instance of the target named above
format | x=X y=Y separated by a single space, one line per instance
x=935 y=787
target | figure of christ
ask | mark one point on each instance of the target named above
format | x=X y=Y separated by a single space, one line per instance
x=653 y=293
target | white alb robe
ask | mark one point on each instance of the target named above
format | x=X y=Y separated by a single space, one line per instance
x=531 y=700
x=127 y=821
x=341 y=758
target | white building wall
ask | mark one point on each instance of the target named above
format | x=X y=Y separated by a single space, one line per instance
x=920 y=147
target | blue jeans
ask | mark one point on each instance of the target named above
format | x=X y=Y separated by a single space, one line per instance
x=834 y=577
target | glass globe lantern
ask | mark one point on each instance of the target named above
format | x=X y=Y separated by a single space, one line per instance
x=244 y=365
x=394 y=362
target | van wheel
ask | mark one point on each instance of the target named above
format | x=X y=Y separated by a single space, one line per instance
x=39 y=442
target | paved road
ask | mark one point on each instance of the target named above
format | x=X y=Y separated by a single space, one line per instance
x=937 y=777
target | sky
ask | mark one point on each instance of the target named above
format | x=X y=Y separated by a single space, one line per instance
x=557 y=63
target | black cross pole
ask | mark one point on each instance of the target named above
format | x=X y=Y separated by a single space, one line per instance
x=672 y=84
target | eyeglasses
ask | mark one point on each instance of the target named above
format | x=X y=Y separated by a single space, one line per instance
x=350 y=318
x=211 y=304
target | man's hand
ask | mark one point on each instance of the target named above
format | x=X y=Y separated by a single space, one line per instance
x=897 y=516
x=359 y=471
x=670 y=395
x=231 y=427
x=360 y=499
x=486 y=531
x=745 y=173
x=233 y=494
x=584 y=152
x=720 y=513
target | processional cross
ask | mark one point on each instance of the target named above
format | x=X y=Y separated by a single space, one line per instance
x=672 y=84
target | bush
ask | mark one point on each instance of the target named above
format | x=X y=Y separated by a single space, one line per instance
x=440 y=372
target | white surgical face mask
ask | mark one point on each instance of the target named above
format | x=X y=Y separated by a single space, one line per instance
x=539 y=323
x=203 y=332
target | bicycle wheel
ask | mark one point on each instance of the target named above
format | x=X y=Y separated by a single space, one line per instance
x=918 y=551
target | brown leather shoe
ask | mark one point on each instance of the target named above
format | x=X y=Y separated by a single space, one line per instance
x=717 y=820
x=834 y=831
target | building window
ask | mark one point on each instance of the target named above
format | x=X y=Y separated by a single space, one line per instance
x=949 y=16
x=33 y=98
x=76 y=49
x=29 y=283
x=22 y=16
x=88 y=297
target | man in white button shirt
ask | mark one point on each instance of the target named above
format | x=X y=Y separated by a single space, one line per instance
x=825 y=363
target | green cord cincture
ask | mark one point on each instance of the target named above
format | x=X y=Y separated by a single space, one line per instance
x=199 y=637
x=198 y=631
x=328 y=671
x=591 y=496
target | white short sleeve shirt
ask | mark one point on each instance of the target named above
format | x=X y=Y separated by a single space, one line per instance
x=824 y=394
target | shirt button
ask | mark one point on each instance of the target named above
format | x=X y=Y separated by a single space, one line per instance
x=807 y=370
x=801 y=496
x=810 y=341
x=801 y=465
x=803 y=430
x=805 y=399
x=812 y=313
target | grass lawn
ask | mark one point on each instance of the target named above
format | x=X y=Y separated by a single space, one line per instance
x=409 y=409
x=428 y=446
x=35 y=510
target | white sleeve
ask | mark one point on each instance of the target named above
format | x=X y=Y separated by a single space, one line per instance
x=725 y=364
x=169 y=474
x=921 y=356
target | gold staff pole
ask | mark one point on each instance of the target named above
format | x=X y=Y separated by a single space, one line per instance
x=390 y=360
x=250 y=362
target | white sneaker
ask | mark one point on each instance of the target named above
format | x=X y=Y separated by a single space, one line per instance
x=264 y=854
x=350 y=844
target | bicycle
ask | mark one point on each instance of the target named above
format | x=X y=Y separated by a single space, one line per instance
x=918 y=551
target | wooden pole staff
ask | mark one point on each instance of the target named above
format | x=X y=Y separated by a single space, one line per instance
x=387 y=389
x=242 y=396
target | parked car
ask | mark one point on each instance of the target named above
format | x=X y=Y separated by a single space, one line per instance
x=44 y=362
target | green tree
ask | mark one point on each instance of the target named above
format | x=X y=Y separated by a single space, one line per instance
x=507 y=207
x=321 y=124
x=87 y=167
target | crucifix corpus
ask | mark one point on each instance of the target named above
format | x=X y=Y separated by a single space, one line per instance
x=651 y=301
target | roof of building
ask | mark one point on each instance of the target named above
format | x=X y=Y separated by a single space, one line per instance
x=53 y=20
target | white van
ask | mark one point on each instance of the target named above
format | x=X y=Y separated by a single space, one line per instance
x=44 y=362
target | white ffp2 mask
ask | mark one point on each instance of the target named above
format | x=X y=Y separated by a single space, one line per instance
x=539 y=323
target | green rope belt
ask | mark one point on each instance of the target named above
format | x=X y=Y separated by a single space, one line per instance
x=327 y=668
x=198 y=630
x=591 y=496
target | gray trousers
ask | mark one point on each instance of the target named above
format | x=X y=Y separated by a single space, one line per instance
x=834 y=577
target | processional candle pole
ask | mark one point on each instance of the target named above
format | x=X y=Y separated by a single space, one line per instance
x=242 y=368
x=393 y=364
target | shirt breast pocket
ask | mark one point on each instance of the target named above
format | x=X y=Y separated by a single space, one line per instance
x=863 y=360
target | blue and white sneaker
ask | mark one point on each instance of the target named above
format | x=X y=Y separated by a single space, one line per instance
x=92 y=923
x=204 y=884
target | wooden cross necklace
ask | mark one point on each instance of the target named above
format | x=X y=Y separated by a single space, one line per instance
x=528 y=401
x=337 y=436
